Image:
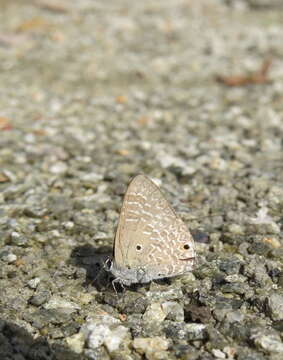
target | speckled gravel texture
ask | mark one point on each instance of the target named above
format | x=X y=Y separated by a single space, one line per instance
x=95 y=92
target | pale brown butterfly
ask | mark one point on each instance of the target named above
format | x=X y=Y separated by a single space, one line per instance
x=151 y=241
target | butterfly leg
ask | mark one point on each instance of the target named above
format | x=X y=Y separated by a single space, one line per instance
x=114 y=287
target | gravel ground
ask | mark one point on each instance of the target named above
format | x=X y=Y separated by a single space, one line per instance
x=95 y=92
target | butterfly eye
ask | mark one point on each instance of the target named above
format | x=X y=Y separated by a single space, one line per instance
x=138 y=247
x=186 y=246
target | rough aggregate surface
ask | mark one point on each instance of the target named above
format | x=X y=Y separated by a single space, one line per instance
x=95 y=92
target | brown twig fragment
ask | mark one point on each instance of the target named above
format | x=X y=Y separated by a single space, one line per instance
x=258 y=77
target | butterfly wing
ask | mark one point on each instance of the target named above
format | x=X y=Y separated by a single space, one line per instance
x=150 y=234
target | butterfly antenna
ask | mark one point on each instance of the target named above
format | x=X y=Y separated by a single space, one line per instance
x=97 y=275
x=107 y=264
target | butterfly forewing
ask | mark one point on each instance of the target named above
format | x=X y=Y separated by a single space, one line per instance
x=149 y=232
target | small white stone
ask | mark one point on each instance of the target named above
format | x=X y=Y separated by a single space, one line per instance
x=92 y=177
x=86 y=298
x=10 y=258
x=167 y=160
x=105 y=330
x=262 y=217
x=275 y=305
x=55 y=233
x=57 y=302
x=68 y=225
x=230 y=352
x=76 y=342
x=263 y=223
x=115 y=338
x=15 y=235
x=196 y=330
x=189 y=170
x=270 y=343
x=154 y=313
x=153 y=348
x=58 y=168
x=33 y=283
x=235 y=278
x=235 y=229
x=30 y=138
x=218 y=354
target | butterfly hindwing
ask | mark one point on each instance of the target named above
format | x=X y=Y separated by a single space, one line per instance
x=150 y=234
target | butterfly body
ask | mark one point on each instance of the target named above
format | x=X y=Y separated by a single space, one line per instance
x=128 y=276
x=151 y=241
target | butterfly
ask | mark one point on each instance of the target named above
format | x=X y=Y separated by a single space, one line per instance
x=151 y=241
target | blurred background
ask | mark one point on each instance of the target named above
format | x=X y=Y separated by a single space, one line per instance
x=187 y=92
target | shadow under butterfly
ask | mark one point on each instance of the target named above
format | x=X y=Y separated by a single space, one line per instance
x=93 y=260
x=151 y=241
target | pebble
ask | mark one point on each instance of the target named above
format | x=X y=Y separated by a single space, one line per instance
x=235 y=316
x=154 y=348
x=272 y=241
x=274 y=303
x=18 y=239
x=263 y=223
x=68 y=225
x=40 y=298
x=56 y=302
x=155 y=313
x=33 y=283
x=76 y=342
x=8 y=257
x=58 y=168
x=218 y=354
x=271 y=343
x=230 y=265
x=174 y=311
x=105 y=330
x=195 y=331
x=235 y=278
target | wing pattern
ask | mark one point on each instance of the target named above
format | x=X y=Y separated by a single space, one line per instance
x=150 y=235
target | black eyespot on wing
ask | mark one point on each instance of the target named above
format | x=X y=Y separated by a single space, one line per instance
x=138 y=247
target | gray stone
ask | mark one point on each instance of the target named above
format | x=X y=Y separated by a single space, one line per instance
x=195 y=331
x=230 y=265
x=33 y=283
x=155 y=313
x=174 y=310
x=18 y=239
x=274 y=303
x=40 y=298
x=271 y=343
